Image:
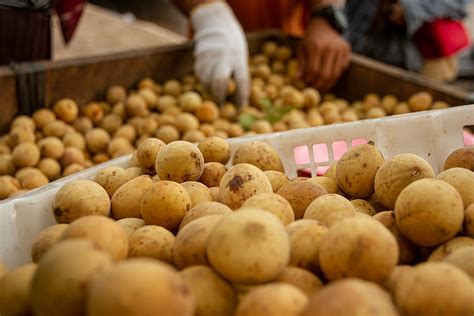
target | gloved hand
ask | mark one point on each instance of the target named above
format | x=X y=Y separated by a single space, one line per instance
x=221 y=51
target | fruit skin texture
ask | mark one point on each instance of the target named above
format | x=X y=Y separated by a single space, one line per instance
x=420 y=101
x=449 y=247
x=140 y=286
x=126 y=200
x=51 y=147
x=58 y=287
x=152 y=241
x=130 y=224
x=350 y=297
x=408 y=251
x=164 y=204
x=462 y=180
x=112 y=178
x=147 y=152
x=204 y=209
x=26 y=155
x=463 y=259
x=273 y=203
x=97 y=140
x=15 y=290
x=468 y=224
x=198 y=192
x=301 y=278
x=8 y=186
x=66 y=110
x=213 y=295
x=212 y=174
x=429 y=212
x=240 y=183
x=104 y=232
x=179 y=161
x=305 y=237
x=461 y=158
x=327 y=183
x=215 y=149
x=275 y=299
x=249 y=246
x=259 y=154
x=189 y=248
x=300 y=194
x=80 y=198
x=434 y=288
x=396 y=173
x=45 y=240
x=329 y=209
x=363 y=206
x=355 y=171
x=360 y=248
x=277 y=179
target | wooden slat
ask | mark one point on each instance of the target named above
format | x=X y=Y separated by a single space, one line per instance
x=8 y=102
x=87 y=79
x=367 y=75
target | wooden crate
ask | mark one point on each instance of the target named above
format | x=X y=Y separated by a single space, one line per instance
x=86 y=79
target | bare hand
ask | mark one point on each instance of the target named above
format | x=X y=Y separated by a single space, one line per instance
x=324 y=55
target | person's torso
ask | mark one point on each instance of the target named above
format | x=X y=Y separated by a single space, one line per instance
x=371 y=35
x=30 y=5
x=257 y=15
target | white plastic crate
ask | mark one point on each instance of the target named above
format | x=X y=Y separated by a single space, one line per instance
x=432 y=135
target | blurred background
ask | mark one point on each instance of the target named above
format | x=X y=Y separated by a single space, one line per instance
x=109 y=26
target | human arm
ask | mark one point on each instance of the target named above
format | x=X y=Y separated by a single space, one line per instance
x=324 y=53
x=186 y=6
x=221 y=47
x=417 y=12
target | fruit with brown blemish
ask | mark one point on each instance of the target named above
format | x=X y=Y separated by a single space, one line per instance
x=240 y=183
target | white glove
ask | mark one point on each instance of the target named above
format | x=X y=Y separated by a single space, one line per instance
x=221 y=51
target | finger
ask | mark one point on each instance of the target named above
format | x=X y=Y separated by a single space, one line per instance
x=220 y=80
x=327 y=69
x=347 y=59
x=316 y=79
x=302 y=60
x=338 y=69
x=203 y=69
x=346 y=56
x=242 y=80
x=315 y=64
x=205 y=60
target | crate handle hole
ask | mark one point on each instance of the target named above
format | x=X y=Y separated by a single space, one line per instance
x=306 y=172
x=359 y=141
x=321 y=170
x=468 y=135
x=301 y=155
x=320 y=152
x=338 y=149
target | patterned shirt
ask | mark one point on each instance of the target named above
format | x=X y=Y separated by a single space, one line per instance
x=393 y=45
x=27 y=4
